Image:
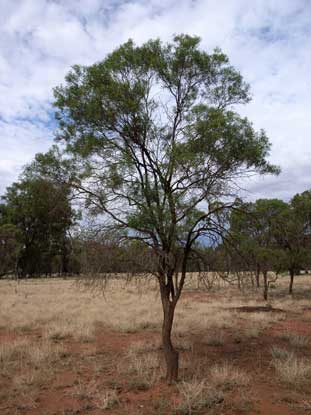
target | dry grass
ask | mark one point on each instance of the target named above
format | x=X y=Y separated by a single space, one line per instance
x=141 y=367
x=11 y=352
x=63 y=310
x=63 y=329
x=101 y=399
x=280 y=353
x=226 y=376
x=62 y=313
x=143 y=346
x=252 y=332
x=23 y=353
x=107 y=399
x=296 y=340
x=32 y=378
x=293 y=370
x=215 y=338
x=197 y=395
x=184 y=344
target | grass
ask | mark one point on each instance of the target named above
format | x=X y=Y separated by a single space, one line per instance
x=23 y=352
x=65 y=312
x=142 y=367
x=11 y=352
x=197 y=395
x=293 y=370
x=215 y=338
x=100 y=399
x=296 y=340
x=43 y=319
x=184 y=344
x=107 y=399
x=280 y=353
x=64 y=329
x=252 y=332
x=225 y=376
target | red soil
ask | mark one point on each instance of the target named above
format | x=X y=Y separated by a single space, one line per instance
x=268 y=395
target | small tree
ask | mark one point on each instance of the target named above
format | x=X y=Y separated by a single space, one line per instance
x=155 y=147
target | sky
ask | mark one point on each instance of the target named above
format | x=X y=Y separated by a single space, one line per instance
x=269 y=41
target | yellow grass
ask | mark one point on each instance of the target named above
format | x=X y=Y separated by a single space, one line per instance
x=61 y=309
x=40 y=316
x=226 y=376
x=293 y=370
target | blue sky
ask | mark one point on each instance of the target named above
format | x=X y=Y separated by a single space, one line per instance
x=269 y=41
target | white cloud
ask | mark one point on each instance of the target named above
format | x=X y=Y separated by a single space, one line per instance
x=268 y=40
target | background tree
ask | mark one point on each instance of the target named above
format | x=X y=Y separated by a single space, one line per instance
x=9 y=249
x=154 y=146
x=294 y=230
x=41 y=212
x=255 y=229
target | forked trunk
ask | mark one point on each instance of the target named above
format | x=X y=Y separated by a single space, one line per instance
x=170 y=353
x=291 y=282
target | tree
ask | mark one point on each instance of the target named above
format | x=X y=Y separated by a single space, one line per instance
x=9 y=249
x=256 y=230
x=154 y=146
x=294 y=234
x=41 y=212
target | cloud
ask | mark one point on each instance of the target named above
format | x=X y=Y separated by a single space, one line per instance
x=268 y=40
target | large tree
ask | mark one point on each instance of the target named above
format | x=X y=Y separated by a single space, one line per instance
x=155 y=147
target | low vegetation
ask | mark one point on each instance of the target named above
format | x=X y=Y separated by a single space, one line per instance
x=59 y=339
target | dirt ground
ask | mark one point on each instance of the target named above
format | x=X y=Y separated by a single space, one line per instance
x=66 y=351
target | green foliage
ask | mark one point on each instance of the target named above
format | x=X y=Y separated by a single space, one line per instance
x=40 y=212
x=9 y=248
x=153 y=140
x=274 y=234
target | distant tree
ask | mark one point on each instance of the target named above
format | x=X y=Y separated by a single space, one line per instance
x=41 y=212
x=155 y=147
x=255 y=229
x=9 y=249
x=294 y=234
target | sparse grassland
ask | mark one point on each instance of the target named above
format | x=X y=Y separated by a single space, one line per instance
x=103 y=352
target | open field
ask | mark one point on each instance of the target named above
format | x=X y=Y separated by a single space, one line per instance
x=66 y=351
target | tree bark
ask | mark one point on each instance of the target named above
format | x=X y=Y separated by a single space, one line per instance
x=170 y=353
x=266 y=285
x=291 y=282
x=169 y=299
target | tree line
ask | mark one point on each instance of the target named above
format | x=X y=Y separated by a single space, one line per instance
x=40 y=237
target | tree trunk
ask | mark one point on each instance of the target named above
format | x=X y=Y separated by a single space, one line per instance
x=170 y=353
x=291 y=282
x=257 y=276
x=239 y=281
x=64 y=254
x=266 y=285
